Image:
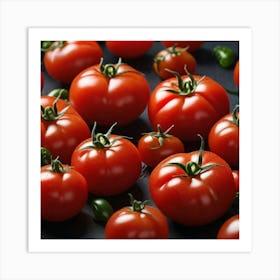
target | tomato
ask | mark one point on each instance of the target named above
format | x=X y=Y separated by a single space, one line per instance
x=110 y=163
x=63 y=192
x=129 y=49
x=224 y=138
x=191 y=102
x=236 y=73
x=139 y=221
x=192 y=45
x=224 y=55
x=101 y=209
x=61 y=131
x=229 y=229
x=63 y=60
x=109 y=93
x=156 y=146
x=235 y=174
x=173 y=58
x=192 y=189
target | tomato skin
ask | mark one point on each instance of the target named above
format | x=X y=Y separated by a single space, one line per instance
x=63 y=195
x=224 y=140
x=129 y=49
x=193 y=45
x=65 y=62
x=152 y=153
x=128 y=224
x=235 y=174
x=194 y=200
x=175 y=59
x=62 y=135
x=108 y=171
x=191 y=114
x=120 y=99
x=229 y=229
x=236 y=73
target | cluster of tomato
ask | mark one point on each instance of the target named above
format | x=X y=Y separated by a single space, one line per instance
x=190 y=188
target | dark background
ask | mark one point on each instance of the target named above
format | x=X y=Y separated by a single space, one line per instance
x=83 y=225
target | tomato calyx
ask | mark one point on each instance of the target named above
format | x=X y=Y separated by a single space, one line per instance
x=160 y=135
x=51 y=45
x=101 y=140
x=61 y=93
x=235 y=117
x=185 y=88
x=138 y=205
x=57 y=167
x=50 y=113
x=192 y=168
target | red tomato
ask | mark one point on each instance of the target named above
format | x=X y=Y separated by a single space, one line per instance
x=137 y=222
x=235 y=174
x=63 y=60
x=156 y=146
x=129 y=49
x=109 y=93
x=192 y=189
x=191 y=102
x=111 y=164
x=61 y=131
x=230 y=229
x=173 y=58
x=63 y=192
x=236 y=73
x=192 y=45
x=224 y=138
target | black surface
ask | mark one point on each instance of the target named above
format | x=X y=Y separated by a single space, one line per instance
x=83 y=225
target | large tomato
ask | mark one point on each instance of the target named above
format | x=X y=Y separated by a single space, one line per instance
x=191 y=102
x=224 y=138
x=138 y=221
x=109 y=93
x=229 y=229
x=193 y=188
x=63 y=60
x=61 y=130
x=129 y=49
x=173 y=58
x=111 y=164
x=63 y=192
x=157 y=145
x=192 y=45
x=236 y=73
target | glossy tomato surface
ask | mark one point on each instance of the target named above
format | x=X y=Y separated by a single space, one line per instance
x=63 y=63
x=192 y=112
x=125 y=223
x=235 y=174
x=224 y=140
x=173 y=58
x=230 y=229
x=63 y=194
x=108 y=171
x=129 y=49
x=192 y=45
x=236 y=73
x=119 y=94
x=192 y=200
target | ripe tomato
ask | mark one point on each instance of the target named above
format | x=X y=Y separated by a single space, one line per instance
x=139 y=221
x=229 y=229
x=236 y=73
x=63 y=192
x=235 y=174
x=156 y=146
x=192 y=45
x=224 y=138
x=129 y=49
x=173 y=58
x=111 y=164
x=61 y=131
x=193 y=188
x=109 y=93
x=63 y=60
x=191 y=102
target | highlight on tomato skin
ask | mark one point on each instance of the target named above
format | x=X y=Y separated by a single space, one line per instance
x=229 y=229
x=236 y=74
x=192 y=45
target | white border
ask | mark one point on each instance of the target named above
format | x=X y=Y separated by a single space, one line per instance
x=244 y=244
